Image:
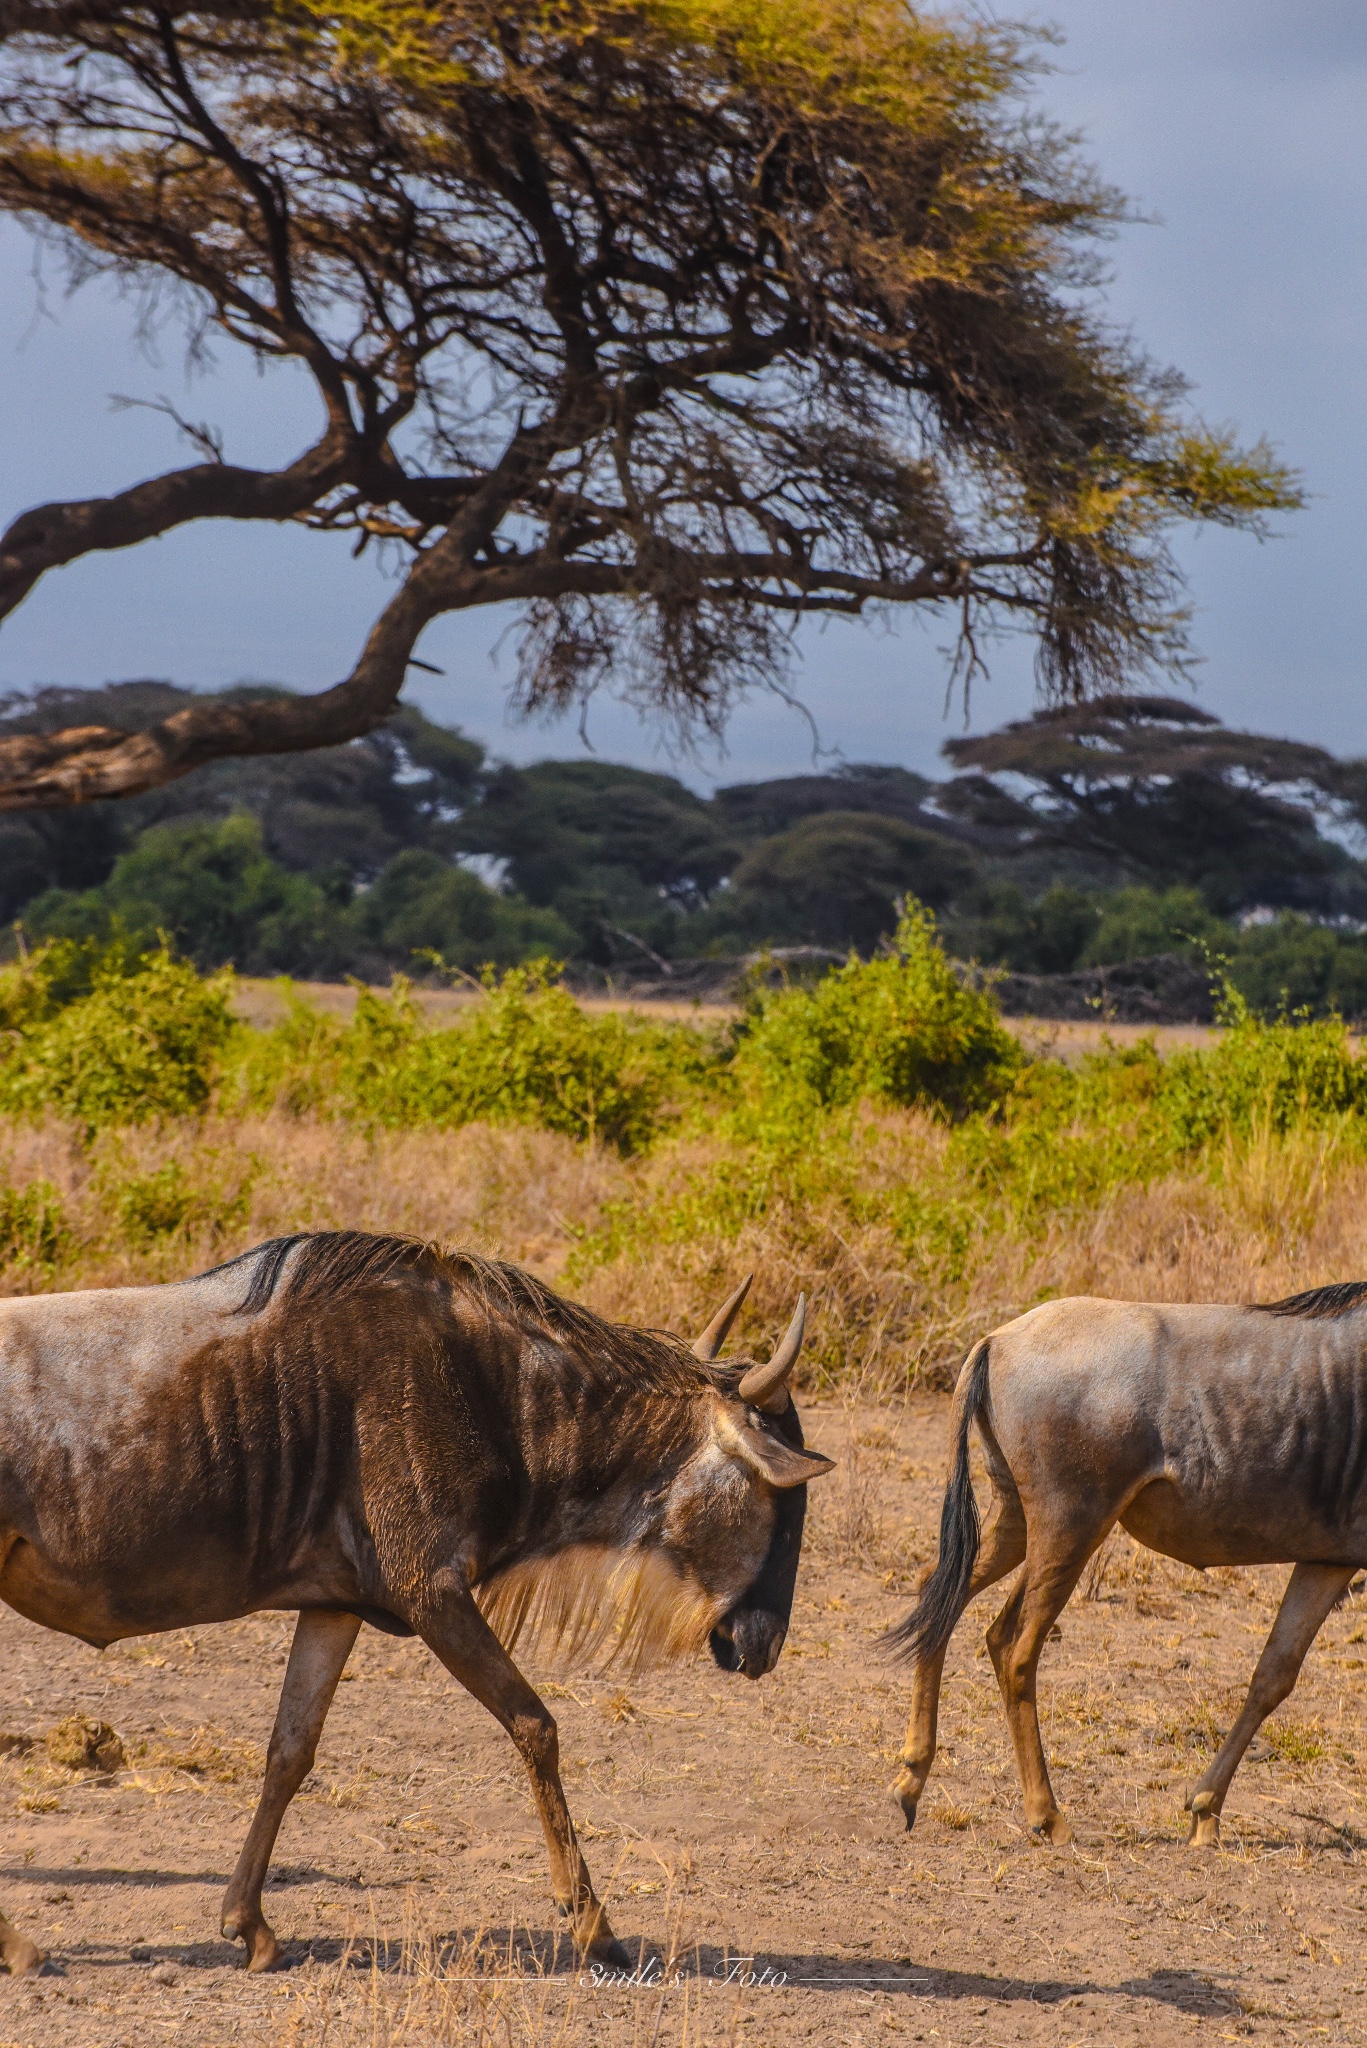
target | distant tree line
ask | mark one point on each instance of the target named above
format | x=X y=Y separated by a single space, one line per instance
x=1079 y=837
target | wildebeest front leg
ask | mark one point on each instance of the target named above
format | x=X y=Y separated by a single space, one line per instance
x=1311 y=1591
x=322 y=1643
x=1015 y=1640
x=471 y=1652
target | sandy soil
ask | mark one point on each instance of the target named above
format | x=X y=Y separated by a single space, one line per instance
x=723 y=1821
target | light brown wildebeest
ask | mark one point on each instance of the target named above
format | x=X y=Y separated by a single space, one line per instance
x=1218 y=1436
x=372 y=1429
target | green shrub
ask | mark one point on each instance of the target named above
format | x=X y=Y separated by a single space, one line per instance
x=145 y=1041
x=33 y=1226
x=211 y=888
x=39 y=984
x=421 y=903
x=1292 y=964
x=900 y=1029
x=525 y=1053
x=1294 y=1071
x=994 y=923
x=149 y=1208
x=1137 y=922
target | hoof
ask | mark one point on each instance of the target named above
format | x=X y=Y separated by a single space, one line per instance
x=1205 y=1822
x=596 y=1942
x=263 y=1950
x=907 y=1800
x=1055 y=1829
x=610 y=1953
x=22 y=1958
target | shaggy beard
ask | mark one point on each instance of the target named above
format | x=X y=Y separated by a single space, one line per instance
x=592 y=1605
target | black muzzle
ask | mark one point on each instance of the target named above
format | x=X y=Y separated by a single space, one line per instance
x=749 y=1640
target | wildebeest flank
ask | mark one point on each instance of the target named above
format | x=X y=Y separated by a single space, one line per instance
x=369 y=1428
x=1216 y=1435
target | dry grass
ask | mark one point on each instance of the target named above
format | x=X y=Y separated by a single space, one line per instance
x=526 y=1194
x=1281 y=1214
x=846 y=1520
x=486 y=1991
x=203 y=1753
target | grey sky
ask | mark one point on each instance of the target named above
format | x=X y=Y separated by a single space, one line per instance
x=1239 y=123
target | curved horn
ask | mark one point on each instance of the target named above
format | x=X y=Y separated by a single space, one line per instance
x=719 y=1329
x=766 y=1386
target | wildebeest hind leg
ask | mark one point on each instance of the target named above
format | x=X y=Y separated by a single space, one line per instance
x=1311 y=1591
x=1015 y=1640
x=471 y=1652
x=322 y=1643
x=1003 y=1549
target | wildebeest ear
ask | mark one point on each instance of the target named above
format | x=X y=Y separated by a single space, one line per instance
x=781 y=1464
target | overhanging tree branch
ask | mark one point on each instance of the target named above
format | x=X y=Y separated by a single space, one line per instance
x=51 y=535
x=695 y=337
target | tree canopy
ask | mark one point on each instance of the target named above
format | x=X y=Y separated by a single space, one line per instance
x=1158 y=790
x=1084 y=838
x=672 y=323
x=339 y=814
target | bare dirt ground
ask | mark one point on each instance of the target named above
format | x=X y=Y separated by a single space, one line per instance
x=723 y=1821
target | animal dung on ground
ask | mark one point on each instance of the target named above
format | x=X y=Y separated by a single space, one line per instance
x=79 y=1744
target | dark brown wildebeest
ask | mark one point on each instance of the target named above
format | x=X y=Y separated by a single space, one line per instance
x=370 y=1428
x=1218 y=1436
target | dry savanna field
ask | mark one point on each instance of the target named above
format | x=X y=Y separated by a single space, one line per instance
x=742 y=1835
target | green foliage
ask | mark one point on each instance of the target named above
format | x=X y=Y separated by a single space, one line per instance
x=1156 y=789
x=525 y=1053
x=337 y=814
x=211 y=888
x=835 y=880
x=149 y=1208
x=346 y=861
x=883 y=1108
x=214 y=890
x=422 y=904
x=901 y=1028
x=144 y=1040
x=997 y=926
x=1136 y=922
x=1067 y=1135
x=39 y=984
x=153 y=1205
x=1045 y=1141
x=1292 y=964
x=33 y=1226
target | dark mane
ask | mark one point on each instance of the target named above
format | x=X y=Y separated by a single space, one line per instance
x=330 y=1265
x=269 y=1258
x=1320 y=1304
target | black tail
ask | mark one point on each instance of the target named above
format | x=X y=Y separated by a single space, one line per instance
x=932 y=1620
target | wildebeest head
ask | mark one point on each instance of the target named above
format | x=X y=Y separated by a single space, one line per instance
x=736 y=1509
x=673 y=1496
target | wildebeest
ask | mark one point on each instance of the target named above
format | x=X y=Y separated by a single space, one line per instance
x=373 y=1429
x=1216 y=1435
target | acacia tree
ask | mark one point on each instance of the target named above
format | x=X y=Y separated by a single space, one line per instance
x=1162 y=789
x=672 y=322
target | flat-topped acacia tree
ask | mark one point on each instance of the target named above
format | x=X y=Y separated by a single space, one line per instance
x=670 y=322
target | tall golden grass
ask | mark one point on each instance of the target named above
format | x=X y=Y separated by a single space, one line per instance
x=1280 y=1212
